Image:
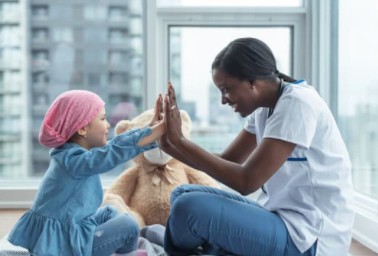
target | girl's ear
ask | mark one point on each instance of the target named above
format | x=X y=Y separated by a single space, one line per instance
x=122 y=126
x=83 y=131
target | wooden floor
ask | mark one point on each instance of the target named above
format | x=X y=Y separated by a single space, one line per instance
x=9 y=217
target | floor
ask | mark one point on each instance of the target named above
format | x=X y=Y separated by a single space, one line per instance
x=9 y=217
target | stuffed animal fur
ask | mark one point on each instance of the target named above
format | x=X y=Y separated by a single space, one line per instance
x=144 y=190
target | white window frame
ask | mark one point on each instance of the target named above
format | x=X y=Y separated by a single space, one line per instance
x=313 y=25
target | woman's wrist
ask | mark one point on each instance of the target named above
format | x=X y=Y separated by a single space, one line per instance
x=178 y=141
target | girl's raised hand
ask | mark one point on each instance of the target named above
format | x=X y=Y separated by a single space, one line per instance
x=158 y=111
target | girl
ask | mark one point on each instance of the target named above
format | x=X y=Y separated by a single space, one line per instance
x=64 y=219
x=290 y=147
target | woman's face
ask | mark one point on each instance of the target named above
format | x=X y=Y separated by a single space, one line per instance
x=241 y=95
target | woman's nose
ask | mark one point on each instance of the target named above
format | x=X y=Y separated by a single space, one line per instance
x=224 y=100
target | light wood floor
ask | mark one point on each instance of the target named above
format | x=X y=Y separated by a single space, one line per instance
x=9 y=217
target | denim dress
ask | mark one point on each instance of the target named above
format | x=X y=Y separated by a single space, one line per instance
x=62 y=219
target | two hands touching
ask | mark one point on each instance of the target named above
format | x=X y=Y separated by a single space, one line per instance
x=166 y=123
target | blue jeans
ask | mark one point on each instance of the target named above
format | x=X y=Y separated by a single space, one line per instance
x=224 y=223
x=115 y=233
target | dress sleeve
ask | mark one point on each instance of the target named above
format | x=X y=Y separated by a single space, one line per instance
x=250 y=125
x=294 y=120
x=81 y=163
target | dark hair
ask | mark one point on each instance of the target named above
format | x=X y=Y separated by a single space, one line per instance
x=248 y=58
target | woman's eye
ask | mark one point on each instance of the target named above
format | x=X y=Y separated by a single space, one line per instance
x=225 y=90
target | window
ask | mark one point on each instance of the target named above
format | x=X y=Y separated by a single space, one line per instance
x=39 y=11
x=358 y=91
x=40 y=35
x=68 y=49
x=9 y=12
x=63 y=34
x=94 y=12
x=118 y=36
x=117 y=13
x=233 y=3
x=214 y=125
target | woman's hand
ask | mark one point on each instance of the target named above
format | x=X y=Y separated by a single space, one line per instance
x=172 y=117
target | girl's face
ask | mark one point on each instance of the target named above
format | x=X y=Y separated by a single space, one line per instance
x=241 y=95
x=97 y=130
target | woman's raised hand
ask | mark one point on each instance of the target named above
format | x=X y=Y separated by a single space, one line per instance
x=172 y=116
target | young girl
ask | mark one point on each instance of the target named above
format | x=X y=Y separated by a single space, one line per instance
x=64 y=218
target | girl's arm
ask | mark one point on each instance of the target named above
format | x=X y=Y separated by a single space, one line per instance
x=157 y=131
x=80 y=163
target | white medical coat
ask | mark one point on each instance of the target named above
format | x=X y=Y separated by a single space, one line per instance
x=312 y=191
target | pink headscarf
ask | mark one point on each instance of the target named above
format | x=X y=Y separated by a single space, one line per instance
x=69 y=112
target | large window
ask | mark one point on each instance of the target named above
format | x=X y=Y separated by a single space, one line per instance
x=358 y=90
x=232 y=3
x=96 y=46
x=192 y=51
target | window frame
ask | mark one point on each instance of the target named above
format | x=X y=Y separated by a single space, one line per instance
x=315 y=43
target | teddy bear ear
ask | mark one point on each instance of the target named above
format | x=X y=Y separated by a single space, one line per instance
x=122 y=126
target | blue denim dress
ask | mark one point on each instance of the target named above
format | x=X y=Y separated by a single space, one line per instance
x=62 y=218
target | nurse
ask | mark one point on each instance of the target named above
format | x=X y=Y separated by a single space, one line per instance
x=290 y=147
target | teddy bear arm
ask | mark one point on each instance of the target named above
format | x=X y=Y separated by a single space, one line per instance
x=117 y=202
x=199 y=177
x=125 y=184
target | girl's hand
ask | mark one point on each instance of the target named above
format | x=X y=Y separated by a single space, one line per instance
x=158 y=111
x=172 y=116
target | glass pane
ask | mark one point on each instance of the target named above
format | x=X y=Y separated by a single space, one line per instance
x=231 y=3
x=358 y=90
x=73 y=45
x=214 y=124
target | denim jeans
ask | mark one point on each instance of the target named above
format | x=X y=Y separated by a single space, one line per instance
x=115 y=233
x=224 y=223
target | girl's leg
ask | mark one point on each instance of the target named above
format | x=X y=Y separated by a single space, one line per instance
x=119 y=234
x=106 y=213
x=202 y=216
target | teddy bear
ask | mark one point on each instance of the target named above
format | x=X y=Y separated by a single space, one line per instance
x=144 y=190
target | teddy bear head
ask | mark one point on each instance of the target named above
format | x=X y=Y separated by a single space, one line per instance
x=154 y=156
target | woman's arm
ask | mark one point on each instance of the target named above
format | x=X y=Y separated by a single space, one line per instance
x=245 y=177
x=240 y=148
x=238 y=151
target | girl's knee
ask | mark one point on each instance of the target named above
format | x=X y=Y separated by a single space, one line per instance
x=129 y=225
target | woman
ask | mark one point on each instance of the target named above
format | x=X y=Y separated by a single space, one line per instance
x=290 y=147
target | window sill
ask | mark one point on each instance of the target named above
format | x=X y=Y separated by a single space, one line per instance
x=366 y=221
